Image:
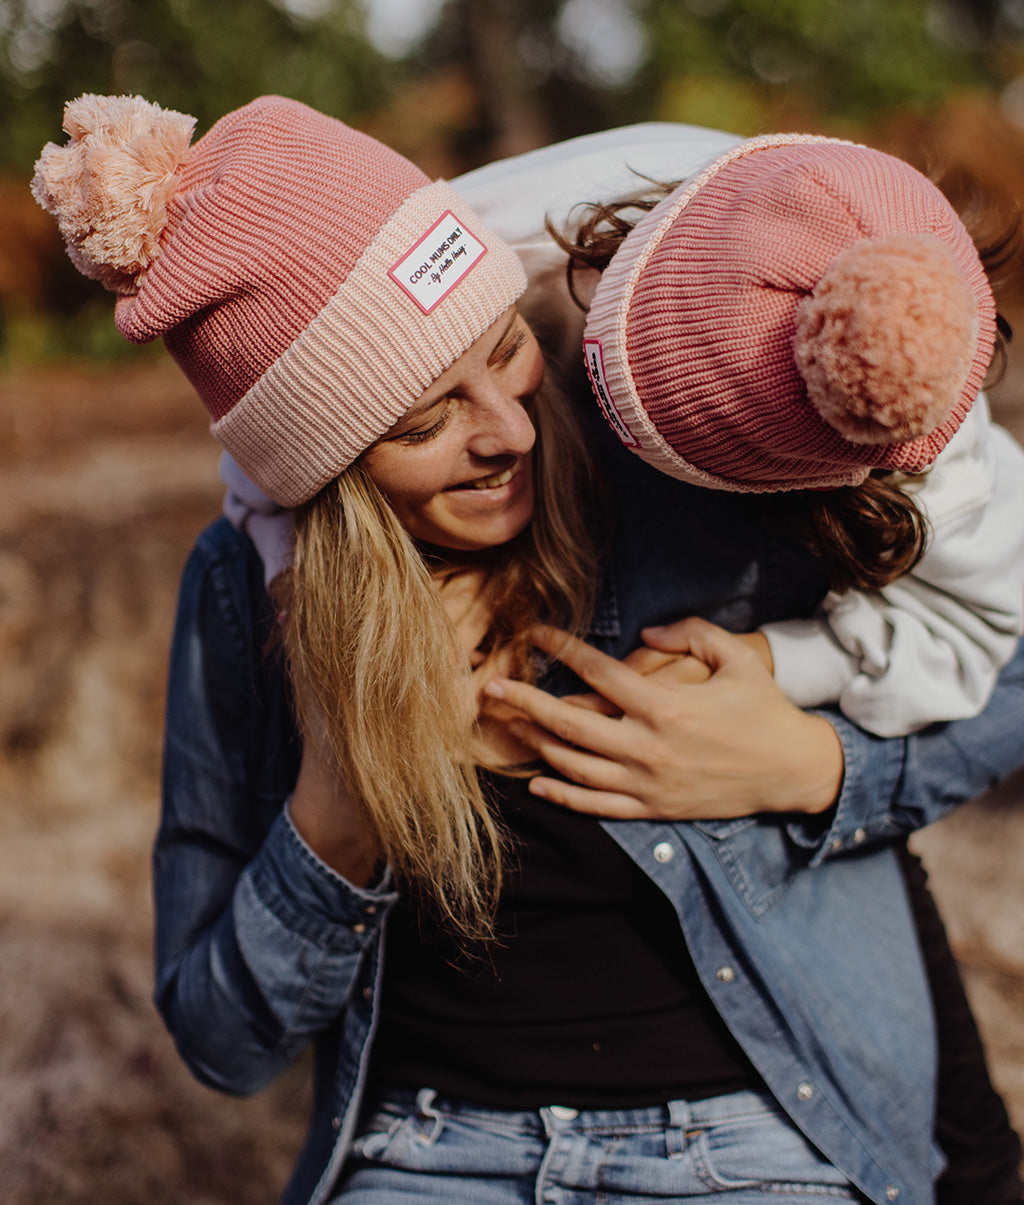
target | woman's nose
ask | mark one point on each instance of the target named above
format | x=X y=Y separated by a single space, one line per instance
x=501 y=425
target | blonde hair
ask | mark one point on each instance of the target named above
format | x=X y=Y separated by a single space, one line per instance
x=378 y=668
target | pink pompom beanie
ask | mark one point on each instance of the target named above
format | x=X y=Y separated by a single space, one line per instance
x=310 y=282
x=801 y=312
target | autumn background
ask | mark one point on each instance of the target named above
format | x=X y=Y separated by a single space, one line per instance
x=107 y=472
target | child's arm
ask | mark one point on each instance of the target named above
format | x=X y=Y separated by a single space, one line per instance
x=927 y=647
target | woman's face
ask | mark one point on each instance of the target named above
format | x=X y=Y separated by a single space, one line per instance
x=456 y=468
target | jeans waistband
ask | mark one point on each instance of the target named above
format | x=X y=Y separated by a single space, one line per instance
x=547 y=1118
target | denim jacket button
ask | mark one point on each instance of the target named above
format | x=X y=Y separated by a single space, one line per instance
x=805 y=1090
x=725 y=974
x=359 y=927
x=663 y=852
x=859 y=836
x=891 y=1192
x=335 y=1124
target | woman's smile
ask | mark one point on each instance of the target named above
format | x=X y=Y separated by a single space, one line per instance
x=495 y=481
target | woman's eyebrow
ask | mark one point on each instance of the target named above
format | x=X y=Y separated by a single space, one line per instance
x=504 y=335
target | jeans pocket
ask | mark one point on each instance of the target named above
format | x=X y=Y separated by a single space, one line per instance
x=393 y=1129
x=764 y=1150
x=429 y=1138
x=374 y=1140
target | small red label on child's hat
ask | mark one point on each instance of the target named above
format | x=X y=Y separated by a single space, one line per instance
x=594 y=354
x=437 y=262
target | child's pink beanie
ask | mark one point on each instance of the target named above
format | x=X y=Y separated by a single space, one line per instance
x=310 y=282
x=803 y=311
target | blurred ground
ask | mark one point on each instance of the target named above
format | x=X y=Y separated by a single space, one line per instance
x=105 y=478
x=104 y=482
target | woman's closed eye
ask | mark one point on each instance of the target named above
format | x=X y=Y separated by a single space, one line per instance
x=434 y=424
x=427 y=421
x=508 y=349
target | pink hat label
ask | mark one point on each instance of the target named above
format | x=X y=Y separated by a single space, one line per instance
x=594 y=354
x=437 y=262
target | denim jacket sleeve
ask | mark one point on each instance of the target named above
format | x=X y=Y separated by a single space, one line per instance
x=258 y=943
x=893 y=786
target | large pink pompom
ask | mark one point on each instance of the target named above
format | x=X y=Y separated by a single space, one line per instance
x=887 y=338
x=109 y=187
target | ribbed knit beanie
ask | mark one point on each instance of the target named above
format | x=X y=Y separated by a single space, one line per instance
x=802 y=311
x=310 y=282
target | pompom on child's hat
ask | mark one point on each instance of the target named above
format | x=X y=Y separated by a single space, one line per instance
x=801 y=312
x=310 y=282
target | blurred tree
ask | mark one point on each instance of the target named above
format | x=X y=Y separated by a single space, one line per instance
x=190 y=55
x=840 y=60
x=454 y=83
x=545 y=69
x=535 y=67
x=538 y=69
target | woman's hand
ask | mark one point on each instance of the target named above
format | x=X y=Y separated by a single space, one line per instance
x=667 y=669
x=465 y=597
x=499 y=744
x=732 y=745
x=330 y=820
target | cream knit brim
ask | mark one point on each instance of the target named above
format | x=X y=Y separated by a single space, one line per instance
x=372 y=350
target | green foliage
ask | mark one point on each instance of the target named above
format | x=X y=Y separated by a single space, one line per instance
x=198 y=57
x=743 y=65
x=529 y=71
x=30 y=338
x=835 y=58
x=721 y=62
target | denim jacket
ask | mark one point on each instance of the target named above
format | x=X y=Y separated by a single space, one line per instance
x=799 y=928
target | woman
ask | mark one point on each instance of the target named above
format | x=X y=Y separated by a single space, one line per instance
x=264 y=946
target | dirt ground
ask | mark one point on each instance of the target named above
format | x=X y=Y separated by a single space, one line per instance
x=105 y=478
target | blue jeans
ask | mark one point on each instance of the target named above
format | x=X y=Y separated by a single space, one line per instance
x=419 y=1148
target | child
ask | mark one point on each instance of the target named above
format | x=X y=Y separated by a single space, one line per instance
x=810 y=316
x=907 y=647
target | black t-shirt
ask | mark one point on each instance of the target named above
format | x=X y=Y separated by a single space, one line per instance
x=587 y=997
